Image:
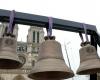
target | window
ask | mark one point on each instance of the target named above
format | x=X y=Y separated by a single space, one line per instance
x=34 y=50
x=34 y=36
x=37 y=37
x=18 y=48
x=22 y=48
x=33 y=62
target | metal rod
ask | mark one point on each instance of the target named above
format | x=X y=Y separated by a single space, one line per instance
x=93 y=42
x=41 y=21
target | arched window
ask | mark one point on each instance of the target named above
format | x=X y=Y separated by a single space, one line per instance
x=37 y=37
x=33 y=62
x=19 y=77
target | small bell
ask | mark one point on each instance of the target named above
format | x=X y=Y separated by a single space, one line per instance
x=50 y=63
x=8 y=56
x=89 y=60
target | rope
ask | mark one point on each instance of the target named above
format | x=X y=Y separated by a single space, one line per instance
x=49 y=28
x=80 y=34
x=85 y=30
x=11 y=23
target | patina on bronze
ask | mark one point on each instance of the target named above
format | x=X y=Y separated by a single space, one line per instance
x=89 y=60
x=8 y=56
x=50 y=63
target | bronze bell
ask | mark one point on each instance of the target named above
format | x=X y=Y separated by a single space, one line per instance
x=89 y=60
x=8 y=56
x=50 y=63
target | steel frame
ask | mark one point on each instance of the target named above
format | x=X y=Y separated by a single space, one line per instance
x=42 y=21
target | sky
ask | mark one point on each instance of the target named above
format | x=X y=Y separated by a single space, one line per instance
x=85 y=11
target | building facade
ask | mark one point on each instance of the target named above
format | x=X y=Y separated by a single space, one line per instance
x=27 y=51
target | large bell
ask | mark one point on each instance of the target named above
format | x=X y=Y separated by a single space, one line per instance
x=89 y=60
x=8 y=56
x=50 y=63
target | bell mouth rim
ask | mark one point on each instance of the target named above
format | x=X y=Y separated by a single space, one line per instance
x=89 y=71
x=93 y=67
x=10 y=64
x=65 y=75
x=54 y=69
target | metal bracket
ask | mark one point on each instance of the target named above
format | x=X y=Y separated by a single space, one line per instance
x=42 y=21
